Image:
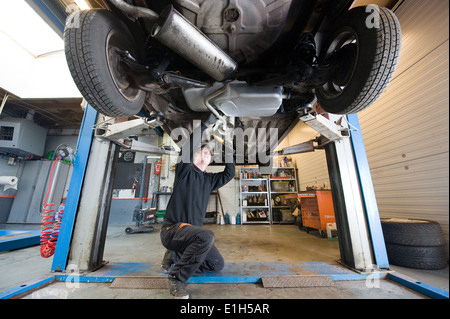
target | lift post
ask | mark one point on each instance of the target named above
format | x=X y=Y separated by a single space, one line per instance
x=83 y=229
x=368 y=193
x=353 y=235
x=89 y=235
x=85 y=139
x=360 y=236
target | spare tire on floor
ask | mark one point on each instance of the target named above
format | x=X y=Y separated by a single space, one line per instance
x=412 y=232
x=417 y=257
x=414 y=243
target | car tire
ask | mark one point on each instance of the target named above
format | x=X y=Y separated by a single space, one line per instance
x=412 y=232
x=417 y=257
x=90 y=37
x=414 y=243
x=368 y=55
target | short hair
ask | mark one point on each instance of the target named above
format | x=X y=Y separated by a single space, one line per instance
x=209 y=145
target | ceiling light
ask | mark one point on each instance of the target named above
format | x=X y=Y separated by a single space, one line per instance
x=82 y=4
x=32 y=60
x=19 y=22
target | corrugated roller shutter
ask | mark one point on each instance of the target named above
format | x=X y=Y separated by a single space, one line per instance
x=406 y=132
x=312 y=168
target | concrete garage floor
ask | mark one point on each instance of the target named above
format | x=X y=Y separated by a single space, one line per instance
x=249 y=251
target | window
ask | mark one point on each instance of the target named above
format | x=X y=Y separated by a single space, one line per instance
x=6 y=133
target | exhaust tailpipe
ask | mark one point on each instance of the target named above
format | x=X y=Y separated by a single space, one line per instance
x=137 y=12
x=177 y=33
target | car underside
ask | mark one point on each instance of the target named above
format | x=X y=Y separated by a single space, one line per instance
x=251 y=64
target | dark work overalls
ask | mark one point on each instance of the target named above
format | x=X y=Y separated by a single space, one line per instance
x=192 y=246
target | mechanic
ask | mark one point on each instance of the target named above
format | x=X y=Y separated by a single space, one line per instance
x=190 y=247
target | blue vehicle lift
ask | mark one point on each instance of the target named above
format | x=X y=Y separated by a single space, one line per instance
x=83 y=229
x=359 y=227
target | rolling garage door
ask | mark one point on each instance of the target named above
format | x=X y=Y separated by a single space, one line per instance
x=406 y=132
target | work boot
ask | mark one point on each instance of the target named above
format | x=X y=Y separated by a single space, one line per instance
x=177 y=288
x=167 y=262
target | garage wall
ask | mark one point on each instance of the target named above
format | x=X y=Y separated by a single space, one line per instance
x=406 y=132
x=7 y=197
x=229 y=194
x=312 y=167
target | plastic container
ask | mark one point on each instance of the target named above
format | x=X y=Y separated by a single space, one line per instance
x=286 y=214
x=280 y=186
x=160 y=213
x=332 y=231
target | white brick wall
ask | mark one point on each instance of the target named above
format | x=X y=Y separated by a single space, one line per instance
x=229 y=194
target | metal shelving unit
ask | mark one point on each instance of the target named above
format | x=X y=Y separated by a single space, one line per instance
x=254 y=196
x=283 y=189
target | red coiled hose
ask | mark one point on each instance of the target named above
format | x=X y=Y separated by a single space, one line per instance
x=48 y=235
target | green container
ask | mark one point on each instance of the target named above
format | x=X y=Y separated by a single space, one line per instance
x=160 y=213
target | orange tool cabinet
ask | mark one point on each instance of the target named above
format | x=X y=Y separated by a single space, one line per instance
x=317 y=209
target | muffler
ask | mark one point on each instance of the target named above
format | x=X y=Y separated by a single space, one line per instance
x=177 y=33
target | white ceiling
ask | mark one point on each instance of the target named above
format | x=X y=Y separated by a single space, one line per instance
x=32 y=57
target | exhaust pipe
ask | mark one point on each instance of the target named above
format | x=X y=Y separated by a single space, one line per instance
x=137 y=12
x=177 y=33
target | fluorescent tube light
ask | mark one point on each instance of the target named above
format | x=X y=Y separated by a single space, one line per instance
x=82 y=4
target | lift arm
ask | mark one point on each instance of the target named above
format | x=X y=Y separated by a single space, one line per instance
x=329 y=130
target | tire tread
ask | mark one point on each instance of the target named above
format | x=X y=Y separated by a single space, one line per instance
x=80 y=58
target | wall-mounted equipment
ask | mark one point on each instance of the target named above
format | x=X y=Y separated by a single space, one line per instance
x=22 y=137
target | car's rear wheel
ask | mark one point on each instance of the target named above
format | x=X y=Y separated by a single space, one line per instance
x=366 y=44
x=93 y=41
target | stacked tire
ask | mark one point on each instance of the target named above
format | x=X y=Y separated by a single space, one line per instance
x=413 y=243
